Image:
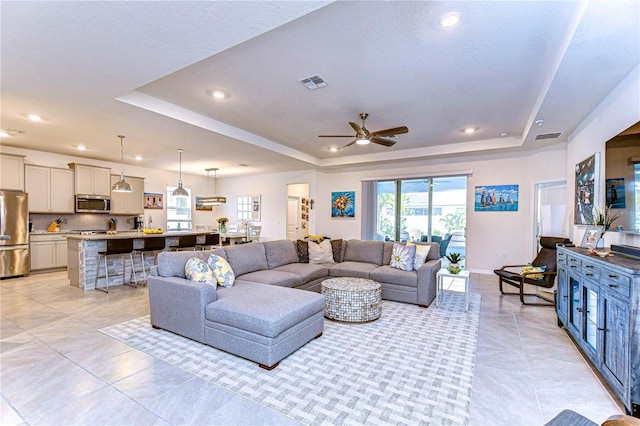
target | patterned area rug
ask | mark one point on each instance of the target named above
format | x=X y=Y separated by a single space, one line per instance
x=411 y=366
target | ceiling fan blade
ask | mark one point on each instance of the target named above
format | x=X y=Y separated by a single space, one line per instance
x=390 y=132
x=335 y=136
x=357 y=128
x=384 y=142
x=350 y=143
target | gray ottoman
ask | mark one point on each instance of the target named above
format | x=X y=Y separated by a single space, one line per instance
x=262 y=322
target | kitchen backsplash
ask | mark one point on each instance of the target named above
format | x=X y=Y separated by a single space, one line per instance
x=80 y=222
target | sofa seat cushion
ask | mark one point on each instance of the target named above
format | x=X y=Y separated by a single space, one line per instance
x=389 y=274
x=352 y=269
x=273 y=277
x=307 y=271
x=263 y=309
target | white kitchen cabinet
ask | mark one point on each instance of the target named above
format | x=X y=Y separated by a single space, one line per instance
x=12 y=172
x=92 y=180
x=128 y=202
x=50 y=190
x=48 y=251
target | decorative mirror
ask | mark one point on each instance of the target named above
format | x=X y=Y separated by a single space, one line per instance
x=249 y=207
x=622 y=174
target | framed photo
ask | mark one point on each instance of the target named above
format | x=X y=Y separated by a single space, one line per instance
x=591 y=236
x=615 y=193
x=153 y=201
x=586 y=173
x=200 y=207
x=343 y=204
x=496 y=198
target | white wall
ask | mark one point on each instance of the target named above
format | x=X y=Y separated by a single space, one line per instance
x=616 y=113
x=493 y=238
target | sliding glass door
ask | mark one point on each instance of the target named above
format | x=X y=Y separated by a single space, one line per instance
x=424 y=209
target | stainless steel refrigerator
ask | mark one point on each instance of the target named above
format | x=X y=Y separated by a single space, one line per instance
x=14 y=234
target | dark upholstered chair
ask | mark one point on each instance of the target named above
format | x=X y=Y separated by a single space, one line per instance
x=547 y=258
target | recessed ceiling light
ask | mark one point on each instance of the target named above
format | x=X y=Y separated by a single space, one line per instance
x=333 y=149
x=138 y=157
x=81 y=148
x=503 y=134
x=34 y=117
x=218 y=94
x=449 y=20
x=470 y=130
x=539 y=122
x=4 y=134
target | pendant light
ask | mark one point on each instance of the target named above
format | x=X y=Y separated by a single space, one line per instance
x=122 y=185
x=180 y=191
x=215 y=200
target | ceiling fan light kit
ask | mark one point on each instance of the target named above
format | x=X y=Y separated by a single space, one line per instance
x=364 y=136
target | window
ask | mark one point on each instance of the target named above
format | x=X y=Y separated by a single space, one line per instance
x=417 y=209
x=249 y=208
x=178 y=211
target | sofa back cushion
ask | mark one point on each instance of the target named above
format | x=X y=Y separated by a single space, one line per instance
x=364 y=251
x=171 y=263
x=386 y=255
x=245 y=258
x=281 y=252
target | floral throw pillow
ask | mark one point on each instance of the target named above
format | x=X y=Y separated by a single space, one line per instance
x=422 y=252
x=402 y=257
x=197 y=270
x=221 y=270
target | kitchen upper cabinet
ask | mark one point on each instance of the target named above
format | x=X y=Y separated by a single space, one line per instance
x=128 y=202
x=12 y=172
x=50 y=190
x=92 y=180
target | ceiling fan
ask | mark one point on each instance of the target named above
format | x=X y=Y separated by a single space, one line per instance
x=364 y=136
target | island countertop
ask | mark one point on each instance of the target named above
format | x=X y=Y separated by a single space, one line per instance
x=120 y=235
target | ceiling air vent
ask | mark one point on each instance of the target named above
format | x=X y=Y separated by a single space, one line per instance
x=314 y=82
x=548 y=136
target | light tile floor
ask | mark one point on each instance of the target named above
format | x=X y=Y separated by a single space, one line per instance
x=57 y=369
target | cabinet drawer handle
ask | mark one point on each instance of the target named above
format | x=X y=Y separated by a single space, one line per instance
x=614 y=285
x=589 y=274
x=588 y=266
x=565 y=296
x=613 y=276
x=572 y=266
x=579 y=309
x=602 y=329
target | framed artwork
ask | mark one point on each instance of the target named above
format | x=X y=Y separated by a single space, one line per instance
x=343 y=204
x=591 y=236
x=615 y=193
x=584 y=194
x=496 y=198
x=200 y=207
x=153 y=201
x=304 y=201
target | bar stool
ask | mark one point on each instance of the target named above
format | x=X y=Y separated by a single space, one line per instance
x=185 y=242
x=118 y=248
x=153 y=246
x=210 y=240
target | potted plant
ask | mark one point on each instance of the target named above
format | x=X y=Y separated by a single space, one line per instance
x=222 y=222
x=454 y=258
x=603 y=216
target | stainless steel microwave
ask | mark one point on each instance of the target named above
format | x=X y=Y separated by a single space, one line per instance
x=92 y=204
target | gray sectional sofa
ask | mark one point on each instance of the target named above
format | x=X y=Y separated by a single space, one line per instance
x=264 y=316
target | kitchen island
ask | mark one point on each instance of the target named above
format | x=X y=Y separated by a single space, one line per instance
x=82 y=256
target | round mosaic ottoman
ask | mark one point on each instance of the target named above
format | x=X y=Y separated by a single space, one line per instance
x=352 y=299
